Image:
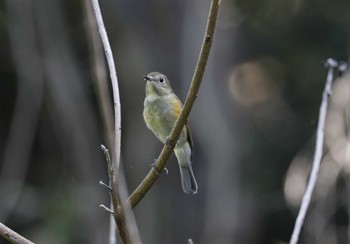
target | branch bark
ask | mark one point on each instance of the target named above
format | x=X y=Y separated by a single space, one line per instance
x=112 y=169
x=102 y=92
x=13 y=236
x=331 y=64
x=152 y=176
x=127 y=228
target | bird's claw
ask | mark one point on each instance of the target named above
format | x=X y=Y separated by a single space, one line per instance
x=155 y=170
x=168 y=141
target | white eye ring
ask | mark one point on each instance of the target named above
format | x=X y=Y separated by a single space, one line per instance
x=161 y=80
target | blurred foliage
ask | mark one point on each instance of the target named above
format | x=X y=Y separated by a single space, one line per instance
x=253 y=122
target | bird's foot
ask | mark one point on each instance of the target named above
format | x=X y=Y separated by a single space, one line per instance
x=168 y=141
x=155 y=170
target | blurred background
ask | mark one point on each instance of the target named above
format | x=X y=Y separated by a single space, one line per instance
x=253 y=122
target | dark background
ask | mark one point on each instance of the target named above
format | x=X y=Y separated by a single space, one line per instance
x=253 y=122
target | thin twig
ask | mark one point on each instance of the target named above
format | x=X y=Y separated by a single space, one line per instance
x=331 y=64
x=13 y=236
x=105 y=185
x=106 y=209
x=151 y=177
x=107 y=156
x=112 y=223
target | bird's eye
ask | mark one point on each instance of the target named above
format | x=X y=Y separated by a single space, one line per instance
x=161 y=80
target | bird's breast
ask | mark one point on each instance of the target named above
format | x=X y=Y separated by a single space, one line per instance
x=160 y=115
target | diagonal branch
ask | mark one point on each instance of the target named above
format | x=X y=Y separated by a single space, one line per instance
x=13 y=236
x=152 y=176
x=331 y=64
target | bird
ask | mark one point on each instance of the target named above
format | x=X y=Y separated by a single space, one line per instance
x=161 y=109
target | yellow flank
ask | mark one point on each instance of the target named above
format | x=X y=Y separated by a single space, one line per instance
x=177 y=106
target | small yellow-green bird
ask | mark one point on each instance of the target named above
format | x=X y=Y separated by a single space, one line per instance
x=161 y=109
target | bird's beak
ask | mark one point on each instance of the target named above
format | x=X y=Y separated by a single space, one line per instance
x=146 y=78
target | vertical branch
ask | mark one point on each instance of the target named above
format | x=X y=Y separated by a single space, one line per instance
x=331 y=64
x=113 y=170
x=100 y=74
x=114 y=80
x=123 y=215
x=101 y=86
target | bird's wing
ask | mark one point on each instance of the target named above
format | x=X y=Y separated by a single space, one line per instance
x=189 y=138
x=178 y=108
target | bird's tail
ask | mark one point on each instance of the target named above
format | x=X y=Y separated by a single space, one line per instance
x=188 y=181
x=189 y=184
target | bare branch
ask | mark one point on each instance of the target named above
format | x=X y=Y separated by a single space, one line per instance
x=13 y=236
x=123 y=215
x=114 y=81
x=331 y=64
x=101 y=86
x=108 y=156
x=105 y=185
x=106 y=209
